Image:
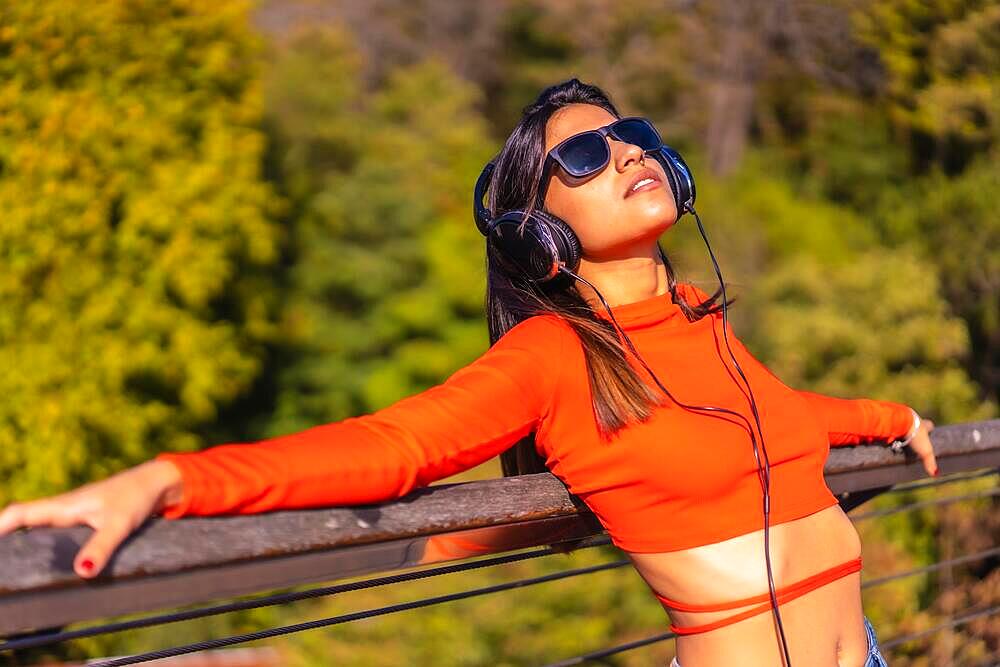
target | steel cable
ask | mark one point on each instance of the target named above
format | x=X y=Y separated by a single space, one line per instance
x=604 y=653
x=278 y=598
x=896 y=641
x=924 y=503
x=927 y=483
x=930 y=568
x=353 y=616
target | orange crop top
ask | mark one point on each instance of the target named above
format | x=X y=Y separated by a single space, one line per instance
x=680 y=479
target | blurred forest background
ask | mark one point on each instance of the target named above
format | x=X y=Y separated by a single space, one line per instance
x=226 y=220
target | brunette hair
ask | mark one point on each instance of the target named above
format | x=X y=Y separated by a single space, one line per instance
x=620 y=397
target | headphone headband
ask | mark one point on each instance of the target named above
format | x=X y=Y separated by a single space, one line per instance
x=480 y=213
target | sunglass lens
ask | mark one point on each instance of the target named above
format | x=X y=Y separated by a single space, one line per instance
x=584 y=154
x=639 y=132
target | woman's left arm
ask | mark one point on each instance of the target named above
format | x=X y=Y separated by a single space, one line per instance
x=852 y=421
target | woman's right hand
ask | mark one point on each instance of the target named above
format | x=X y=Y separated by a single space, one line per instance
x=113 y=507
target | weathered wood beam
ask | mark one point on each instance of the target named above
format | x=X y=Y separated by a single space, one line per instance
x=957 y=447
x=174 y=563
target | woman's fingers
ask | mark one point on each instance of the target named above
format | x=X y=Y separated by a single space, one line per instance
x=44 y=512
x=61 y=511
x=97 y=551
x=113 y=507
x=923 y=447
x=11 y=518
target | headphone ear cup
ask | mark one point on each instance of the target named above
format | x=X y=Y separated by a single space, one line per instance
x=668 y=169
x=547 y=242
x=532 y=253
x=566 y=240
x=679 y=176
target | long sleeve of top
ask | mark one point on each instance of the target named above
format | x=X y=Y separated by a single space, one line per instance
x=850 y=421
x=478 y=412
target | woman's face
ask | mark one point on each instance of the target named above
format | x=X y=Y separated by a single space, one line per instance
x=611 y=220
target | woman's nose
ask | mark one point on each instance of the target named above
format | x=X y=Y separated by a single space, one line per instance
x=626 y=154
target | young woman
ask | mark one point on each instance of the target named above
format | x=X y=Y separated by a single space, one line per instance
x=678 y=489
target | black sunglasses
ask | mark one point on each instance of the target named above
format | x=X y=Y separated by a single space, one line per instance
x=588 y=152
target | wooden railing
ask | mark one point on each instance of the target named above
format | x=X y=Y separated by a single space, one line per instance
x=173 y=563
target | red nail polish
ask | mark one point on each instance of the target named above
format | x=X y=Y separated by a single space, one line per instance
x=87 y=564
x=936 y=471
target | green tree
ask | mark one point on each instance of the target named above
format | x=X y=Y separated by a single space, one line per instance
x=942 y=63
x=943 y=98
x=136 y=234
x=874 y=327
x=387 y=283
x=953 y=222
x=918 y=160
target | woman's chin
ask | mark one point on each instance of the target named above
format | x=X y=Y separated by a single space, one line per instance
x=659 y=212
x=654 y=226
x=637 y=242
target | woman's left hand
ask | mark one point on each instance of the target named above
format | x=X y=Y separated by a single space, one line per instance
x=921 y=445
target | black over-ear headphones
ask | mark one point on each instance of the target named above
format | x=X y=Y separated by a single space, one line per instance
x=547 y=242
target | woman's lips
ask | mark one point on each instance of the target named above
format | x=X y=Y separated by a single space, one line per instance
x=650 y=184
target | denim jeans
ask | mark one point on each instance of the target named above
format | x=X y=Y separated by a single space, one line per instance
x=873 y=659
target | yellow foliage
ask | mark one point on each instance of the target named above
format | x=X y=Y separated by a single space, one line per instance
x=136 y=227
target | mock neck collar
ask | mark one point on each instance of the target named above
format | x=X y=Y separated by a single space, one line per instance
x=647 y=312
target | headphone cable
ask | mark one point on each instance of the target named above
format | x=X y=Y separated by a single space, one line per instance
x=767 y=462
x=763 y=472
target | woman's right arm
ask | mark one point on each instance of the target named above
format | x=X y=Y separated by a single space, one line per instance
x=477 y=413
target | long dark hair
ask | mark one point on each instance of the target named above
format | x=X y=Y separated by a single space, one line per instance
x=620 y=397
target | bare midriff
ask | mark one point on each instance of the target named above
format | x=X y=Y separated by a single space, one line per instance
x=823 y=627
